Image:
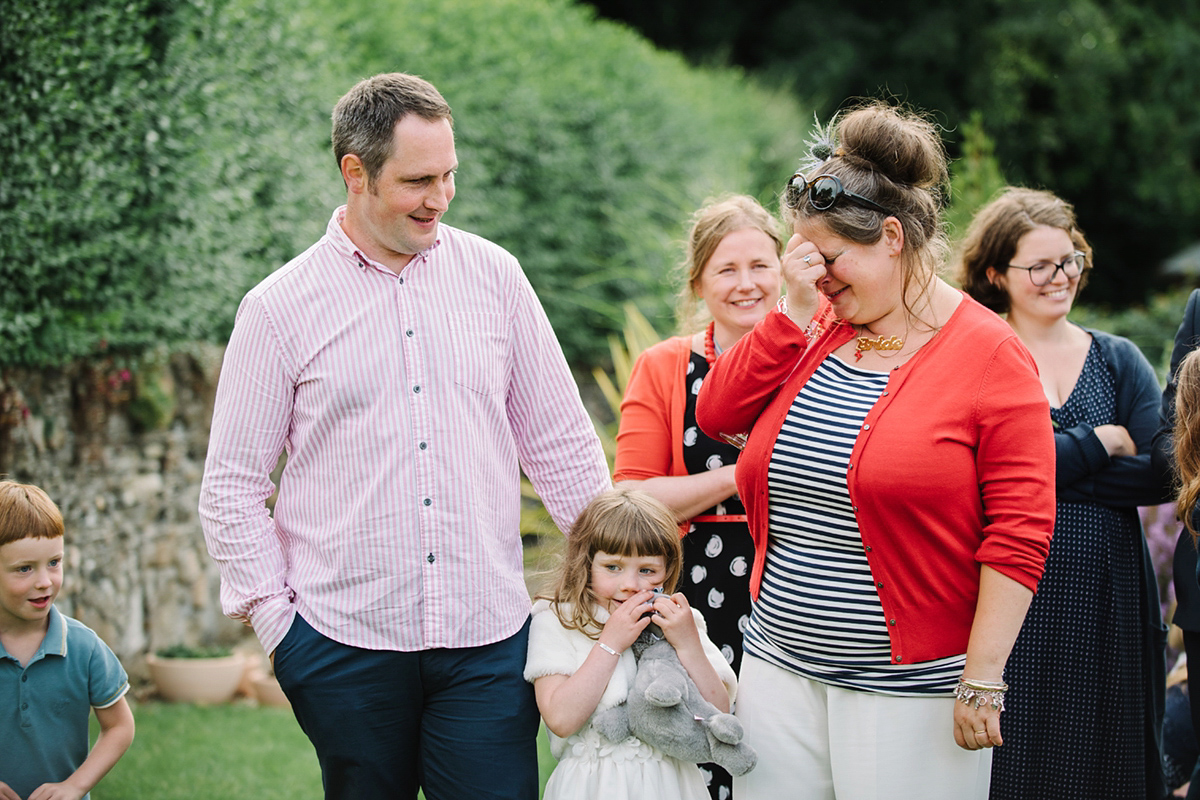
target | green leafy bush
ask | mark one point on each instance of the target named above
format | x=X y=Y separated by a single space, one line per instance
x=157 y=157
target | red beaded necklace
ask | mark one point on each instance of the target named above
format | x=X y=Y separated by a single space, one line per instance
x=710 y=344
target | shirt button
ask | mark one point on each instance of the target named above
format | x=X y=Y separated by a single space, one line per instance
x=880 y=584
x=899 y=659
x=24 y=678
x=430 y=558
x=854 y=509
x=891 y=622
x=408 y=333
x=885 y=394
x=417 y=389
x=427 y=501
x=402 y=280
x=422 y=445
x=868 y=548
x=866 y=427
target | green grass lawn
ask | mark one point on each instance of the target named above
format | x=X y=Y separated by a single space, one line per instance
x=230 y=752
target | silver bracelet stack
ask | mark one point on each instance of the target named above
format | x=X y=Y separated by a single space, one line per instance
x=977 y=693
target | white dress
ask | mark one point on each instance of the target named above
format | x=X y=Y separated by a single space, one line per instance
x=590 y=767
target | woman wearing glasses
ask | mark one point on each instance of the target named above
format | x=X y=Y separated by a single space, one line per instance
x=731 y=279
x=1087 y=671
x=895 y=483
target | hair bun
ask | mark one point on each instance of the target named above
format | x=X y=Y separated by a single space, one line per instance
x=901 y=145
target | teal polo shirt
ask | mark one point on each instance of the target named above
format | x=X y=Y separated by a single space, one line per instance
x=44 y=706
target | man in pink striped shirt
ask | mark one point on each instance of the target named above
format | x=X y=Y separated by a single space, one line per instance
x=410 y=373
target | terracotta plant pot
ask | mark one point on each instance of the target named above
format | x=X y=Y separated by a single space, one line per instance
x=267 y=690
x=197 y=680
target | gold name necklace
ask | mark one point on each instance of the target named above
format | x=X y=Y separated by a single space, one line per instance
x=865 y=343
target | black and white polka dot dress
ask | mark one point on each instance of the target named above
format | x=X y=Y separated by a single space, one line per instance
x=717 y=556
x=1076 y=716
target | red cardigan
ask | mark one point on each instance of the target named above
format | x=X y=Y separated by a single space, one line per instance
x=952 y=469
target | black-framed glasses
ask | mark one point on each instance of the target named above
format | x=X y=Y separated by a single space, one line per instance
x=824 y=192
x=1041 y=274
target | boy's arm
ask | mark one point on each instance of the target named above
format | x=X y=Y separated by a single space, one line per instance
x=116 y=734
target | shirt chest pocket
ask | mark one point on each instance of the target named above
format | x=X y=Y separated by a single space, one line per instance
x=479 y=345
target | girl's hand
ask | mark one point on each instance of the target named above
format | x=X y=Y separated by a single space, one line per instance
x=674 y=615
x=803 y=270
x=976 y=728
x=627 y=621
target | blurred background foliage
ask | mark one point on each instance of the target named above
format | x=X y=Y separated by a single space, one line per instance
x=1092 y=99
x=159 y=157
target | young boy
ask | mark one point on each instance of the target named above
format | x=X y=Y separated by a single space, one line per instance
x=53 y=670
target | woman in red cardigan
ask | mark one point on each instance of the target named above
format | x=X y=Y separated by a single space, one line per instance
x=898 y=480
x=731 y=280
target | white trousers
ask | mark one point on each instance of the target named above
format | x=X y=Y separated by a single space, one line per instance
x=818 y=742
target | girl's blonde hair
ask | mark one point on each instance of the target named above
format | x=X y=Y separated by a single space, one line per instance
x=1187 y=437
x=621 y=522
x=709 y=227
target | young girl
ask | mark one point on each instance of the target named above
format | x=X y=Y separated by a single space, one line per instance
x=623 y=546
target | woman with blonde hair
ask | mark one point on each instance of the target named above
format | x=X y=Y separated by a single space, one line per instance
x=894 y=479
x=1085 y=712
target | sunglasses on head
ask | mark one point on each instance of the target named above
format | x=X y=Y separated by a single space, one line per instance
x=824 y=192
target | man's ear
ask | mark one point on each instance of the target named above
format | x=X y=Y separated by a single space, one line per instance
x=354 y=174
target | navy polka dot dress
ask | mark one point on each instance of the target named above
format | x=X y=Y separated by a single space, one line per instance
x=717 y=556
x=1076 y=716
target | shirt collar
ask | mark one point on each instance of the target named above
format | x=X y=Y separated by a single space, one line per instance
x=344 y=245
x=54 y=643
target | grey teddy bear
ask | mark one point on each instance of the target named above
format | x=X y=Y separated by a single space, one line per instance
x=666 y=710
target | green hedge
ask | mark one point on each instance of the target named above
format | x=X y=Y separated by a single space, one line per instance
x=150 y=173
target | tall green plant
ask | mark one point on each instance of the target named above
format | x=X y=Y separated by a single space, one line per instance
x=975 y=176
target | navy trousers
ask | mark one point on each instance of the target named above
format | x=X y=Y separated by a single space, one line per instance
x=457 y=723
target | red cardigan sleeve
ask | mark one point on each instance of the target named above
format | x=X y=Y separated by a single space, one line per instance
x=744 y=380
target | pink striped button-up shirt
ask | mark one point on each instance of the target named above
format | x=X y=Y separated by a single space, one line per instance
x=407 y=404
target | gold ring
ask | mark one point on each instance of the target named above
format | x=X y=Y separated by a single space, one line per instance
x=979 y=732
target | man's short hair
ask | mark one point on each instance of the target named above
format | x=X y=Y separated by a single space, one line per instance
x=26 y=512
x=364 y=120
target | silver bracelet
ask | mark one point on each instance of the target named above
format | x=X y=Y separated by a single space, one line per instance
x=608 y=649
x=978 y=693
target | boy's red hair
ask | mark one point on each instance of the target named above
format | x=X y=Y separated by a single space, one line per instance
x=26 y=512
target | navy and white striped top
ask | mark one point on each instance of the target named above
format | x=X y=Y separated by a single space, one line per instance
x=818 y=613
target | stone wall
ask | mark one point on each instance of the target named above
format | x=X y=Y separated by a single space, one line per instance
x=121 y=450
